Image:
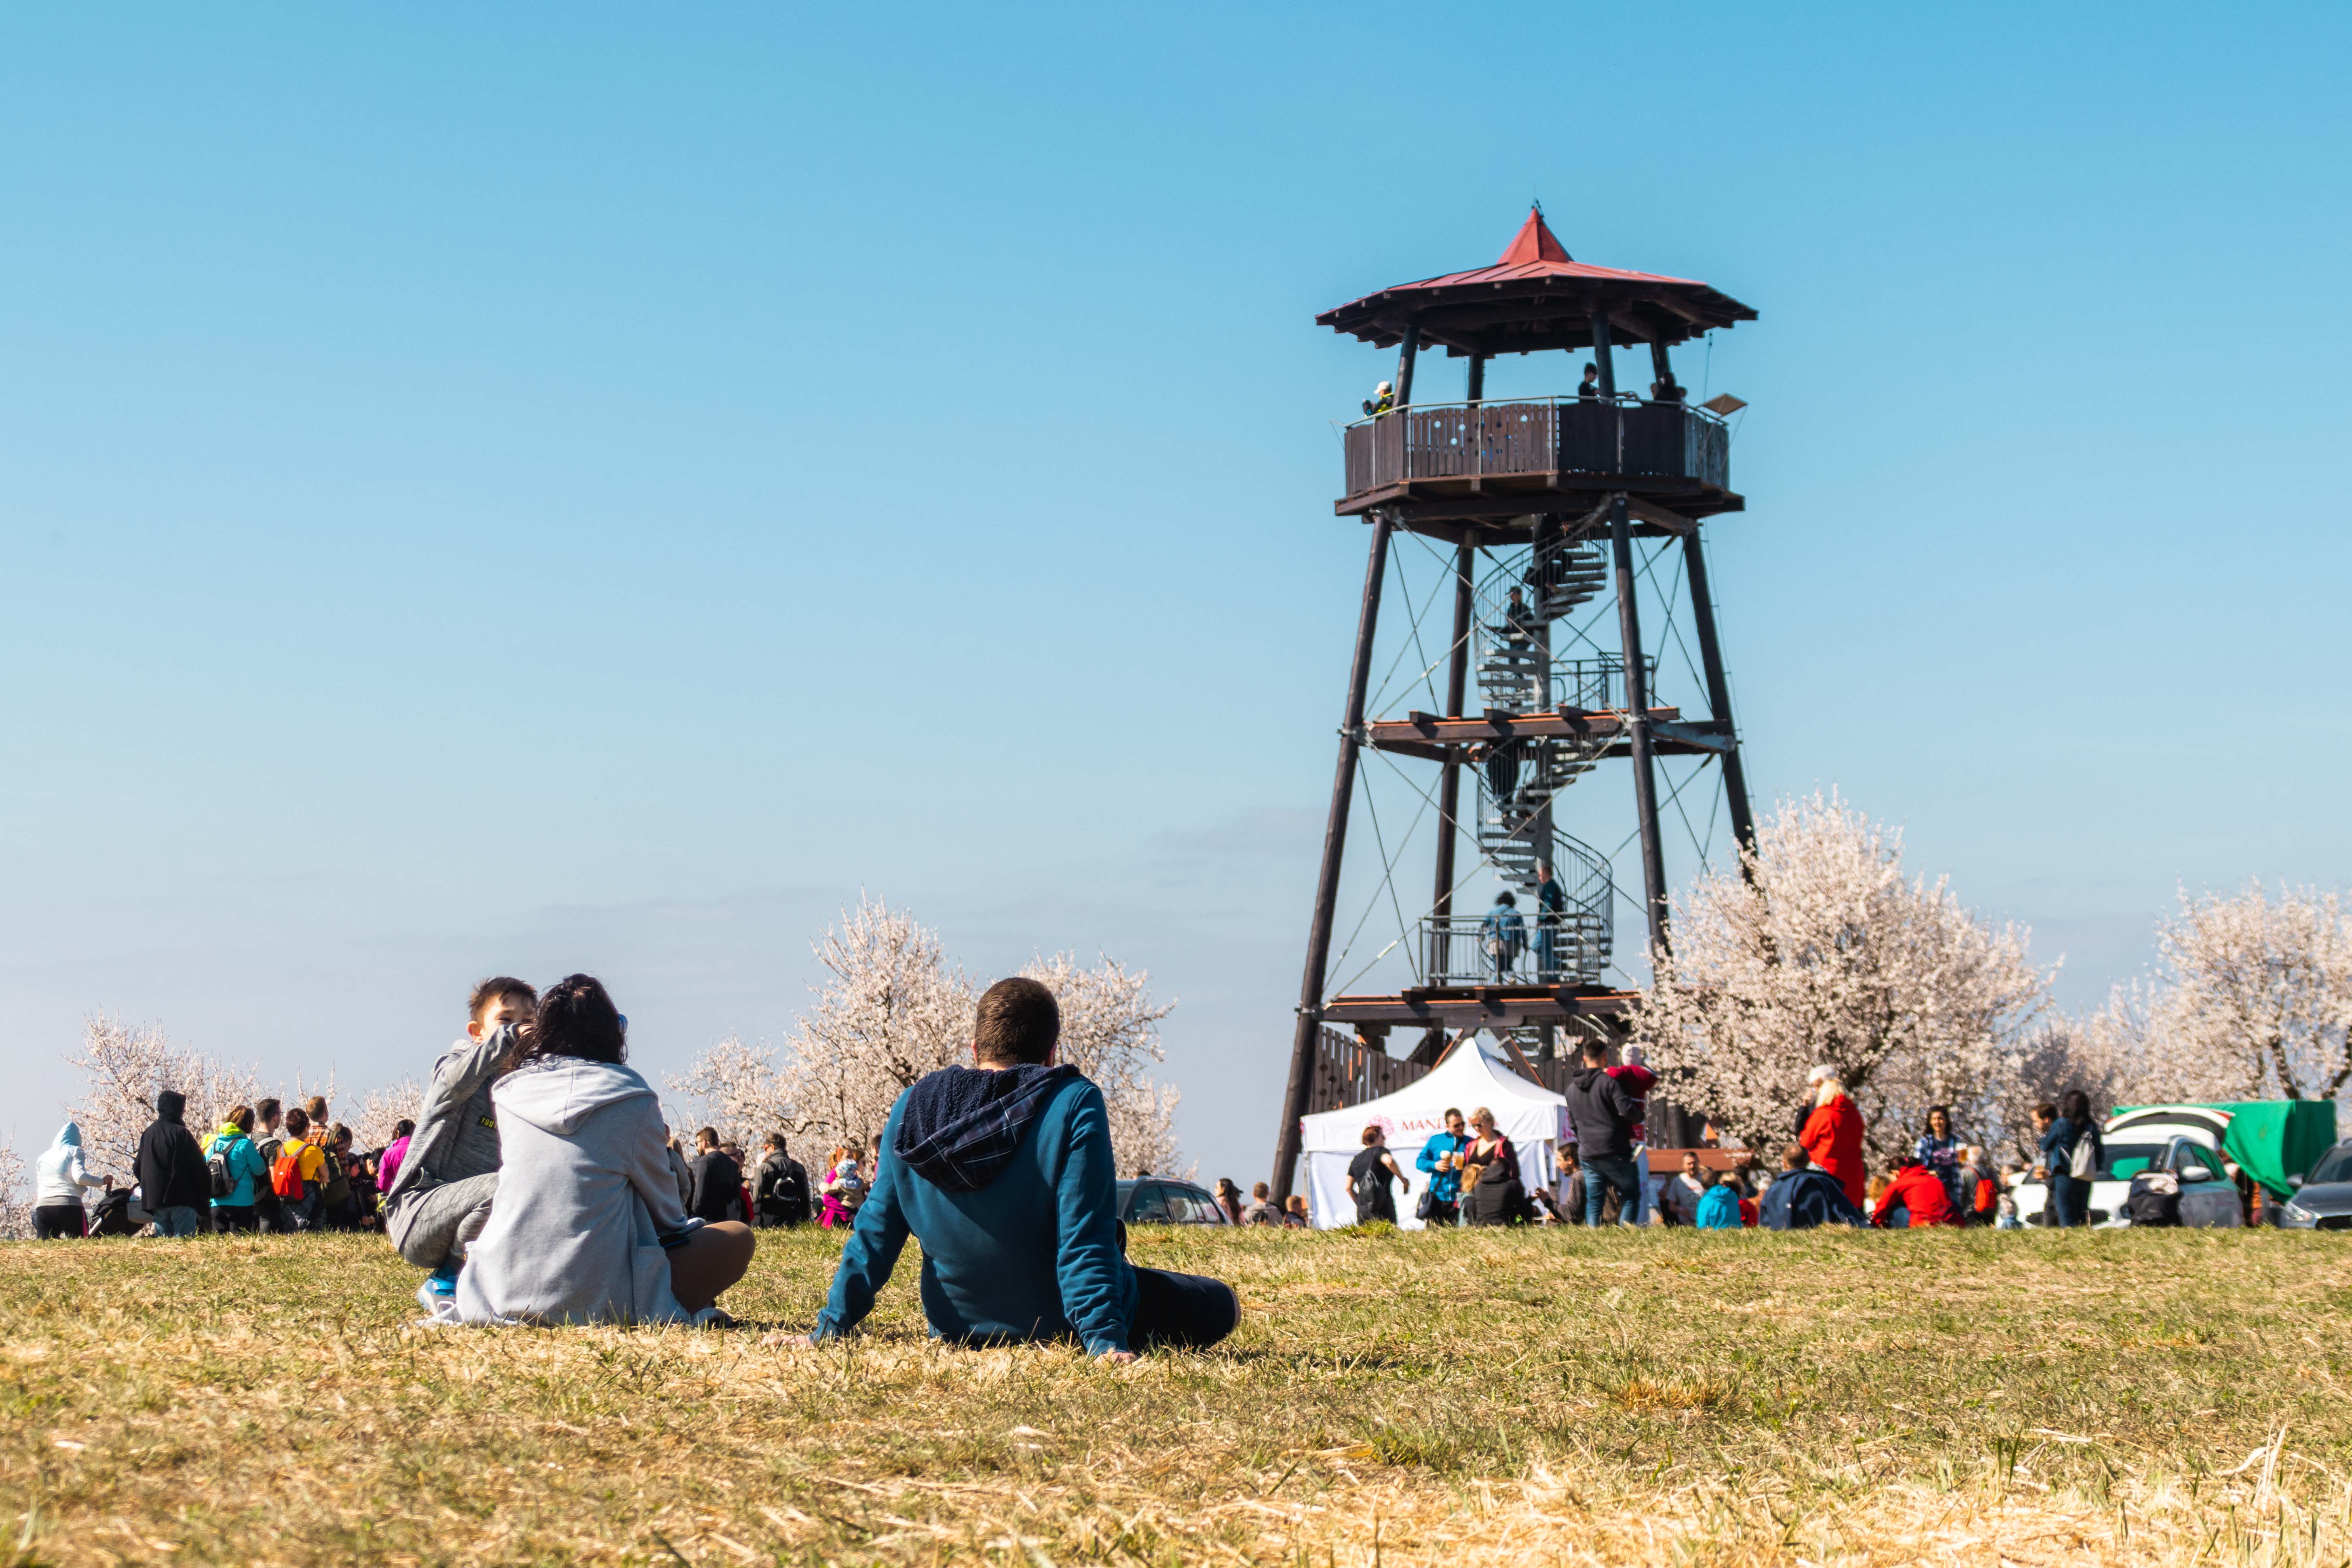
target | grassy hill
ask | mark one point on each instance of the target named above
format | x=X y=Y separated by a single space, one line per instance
x=1479 y=1398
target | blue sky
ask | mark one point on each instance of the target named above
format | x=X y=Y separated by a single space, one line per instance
x=596 y=487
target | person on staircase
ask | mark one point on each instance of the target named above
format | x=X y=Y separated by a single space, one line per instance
x=1551 y=905
x=1501 y=760
x=1503 y=933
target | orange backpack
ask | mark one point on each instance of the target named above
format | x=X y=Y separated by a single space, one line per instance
x=286 y=1176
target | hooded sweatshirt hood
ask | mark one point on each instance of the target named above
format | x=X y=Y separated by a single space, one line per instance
x=557 y=1094
x=962 y=1125
x=170 y=1105
x=68 y=1137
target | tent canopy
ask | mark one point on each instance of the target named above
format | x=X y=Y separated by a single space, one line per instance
x=1531 y=1116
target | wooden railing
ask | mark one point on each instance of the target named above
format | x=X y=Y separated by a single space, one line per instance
x=1349 y=1074
x=1561 y=434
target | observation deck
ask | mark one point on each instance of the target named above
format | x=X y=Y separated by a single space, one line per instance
x=1466 y=461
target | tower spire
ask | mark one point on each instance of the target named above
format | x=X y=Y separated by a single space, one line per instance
x=1535 y=242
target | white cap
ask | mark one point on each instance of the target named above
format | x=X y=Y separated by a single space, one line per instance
x=1382 y=387
x=1821 y=1073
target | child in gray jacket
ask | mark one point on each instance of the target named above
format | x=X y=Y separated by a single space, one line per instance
x=441 y=1199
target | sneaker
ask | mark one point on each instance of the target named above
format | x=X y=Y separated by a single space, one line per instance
x=438 y=1297
x=713 y=1317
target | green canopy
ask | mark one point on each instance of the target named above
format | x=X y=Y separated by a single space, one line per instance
x=2272 y=1140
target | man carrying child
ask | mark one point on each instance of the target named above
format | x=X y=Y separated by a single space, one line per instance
x=441 y=1199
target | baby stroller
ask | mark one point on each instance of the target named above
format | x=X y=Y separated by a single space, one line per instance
x=111 y=1215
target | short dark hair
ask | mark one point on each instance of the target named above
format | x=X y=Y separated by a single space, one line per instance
x=339 y=1134
x=1017 y=1021
x=576 y=1018
x=1596 y=1050
x=707 y=1135
x=2046 y=1109
x=1795 y=1158
x=266 y=1108
x=403 y=1128
x=1452 y=1112
x=1260 y=1190
x=489 y=993
x=1372 y=1135
x=773 y=1141
x=296 y=1121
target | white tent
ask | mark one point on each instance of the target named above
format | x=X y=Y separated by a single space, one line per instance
x=1531 y=1116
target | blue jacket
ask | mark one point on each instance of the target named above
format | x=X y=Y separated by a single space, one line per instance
x=1445 y=1187
x=1505 y=925
x=1034 y=1255
x=245 y=1166
x=1719 y=1208
x=1799 y=1200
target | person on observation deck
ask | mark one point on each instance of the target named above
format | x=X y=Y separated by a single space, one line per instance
x=1382 y=400
x=1590 y=390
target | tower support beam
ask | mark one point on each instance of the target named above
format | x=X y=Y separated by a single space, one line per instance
x=1637 y=729
x=1335 y=841
x=1718 y=698
x=1449 y=782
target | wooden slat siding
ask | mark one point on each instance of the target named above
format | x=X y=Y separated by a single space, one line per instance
x=1360 y=459
x=1349 y=1074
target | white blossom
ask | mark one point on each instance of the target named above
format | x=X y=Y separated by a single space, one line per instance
x=1830 y=956
x=16 y=1200
x=125 y=1068
x=892 y=1010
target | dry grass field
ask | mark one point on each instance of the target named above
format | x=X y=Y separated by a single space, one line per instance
x=1477 y=1398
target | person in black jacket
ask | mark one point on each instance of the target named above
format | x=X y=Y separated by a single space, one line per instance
x=172 y=1184
x=1603 y=1115
x=718 y=1181
x=781 y=1196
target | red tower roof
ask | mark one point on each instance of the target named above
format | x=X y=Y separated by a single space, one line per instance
x=1536 y=296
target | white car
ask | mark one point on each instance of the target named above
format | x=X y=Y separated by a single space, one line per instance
x=2185 y=1140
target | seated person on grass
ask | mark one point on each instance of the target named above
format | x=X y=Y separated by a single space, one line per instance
x=1002 y=1171
x=1805 y=1195
x=439 y=1198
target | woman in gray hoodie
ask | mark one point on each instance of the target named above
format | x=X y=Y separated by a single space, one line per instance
x=587 y=1228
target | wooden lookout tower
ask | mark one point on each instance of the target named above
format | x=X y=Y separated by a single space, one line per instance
x=1544 y=522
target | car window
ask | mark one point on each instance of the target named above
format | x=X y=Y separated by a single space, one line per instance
x=2186 y=1153
x=2126 y=1161
x=1151 y=1206
x=2335 y=1165
x=1198 y=1207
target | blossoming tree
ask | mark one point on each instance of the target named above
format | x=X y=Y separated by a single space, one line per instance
x=1825 y=954
x=891 y=1009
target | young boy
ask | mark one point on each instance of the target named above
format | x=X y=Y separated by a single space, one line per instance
x=442 y=1197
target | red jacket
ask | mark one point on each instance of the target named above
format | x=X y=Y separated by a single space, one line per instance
x=1916 y=1188
x=1832 y=1136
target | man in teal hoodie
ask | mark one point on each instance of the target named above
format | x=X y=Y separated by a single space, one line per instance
x=1003 y=1171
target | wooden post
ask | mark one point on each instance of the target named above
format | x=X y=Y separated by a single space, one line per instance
x=1477 y=378
x=1406 y=351
x=1601 y=354
x=1327 y=883
x=1449 y=782
x=1637 y=728
x=1719 y=699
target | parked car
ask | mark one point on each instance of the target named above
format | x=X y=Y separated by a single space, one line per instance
x=1160 y=1199
x=2323 y=1200
x=2185 y=1141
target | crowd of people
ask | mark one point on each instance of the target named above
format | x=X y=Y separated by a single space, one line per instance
x=1475 y=1176
x=537 y=1184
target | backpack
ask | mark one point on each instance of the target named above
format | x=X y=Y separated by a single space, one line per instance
x=2155 y=1199
x=217 y=1166
x=285 y=1175
x=2082 y=1164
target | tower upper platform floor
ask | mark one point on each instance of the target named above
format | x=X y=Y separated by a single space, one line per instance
x=1467 y=461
